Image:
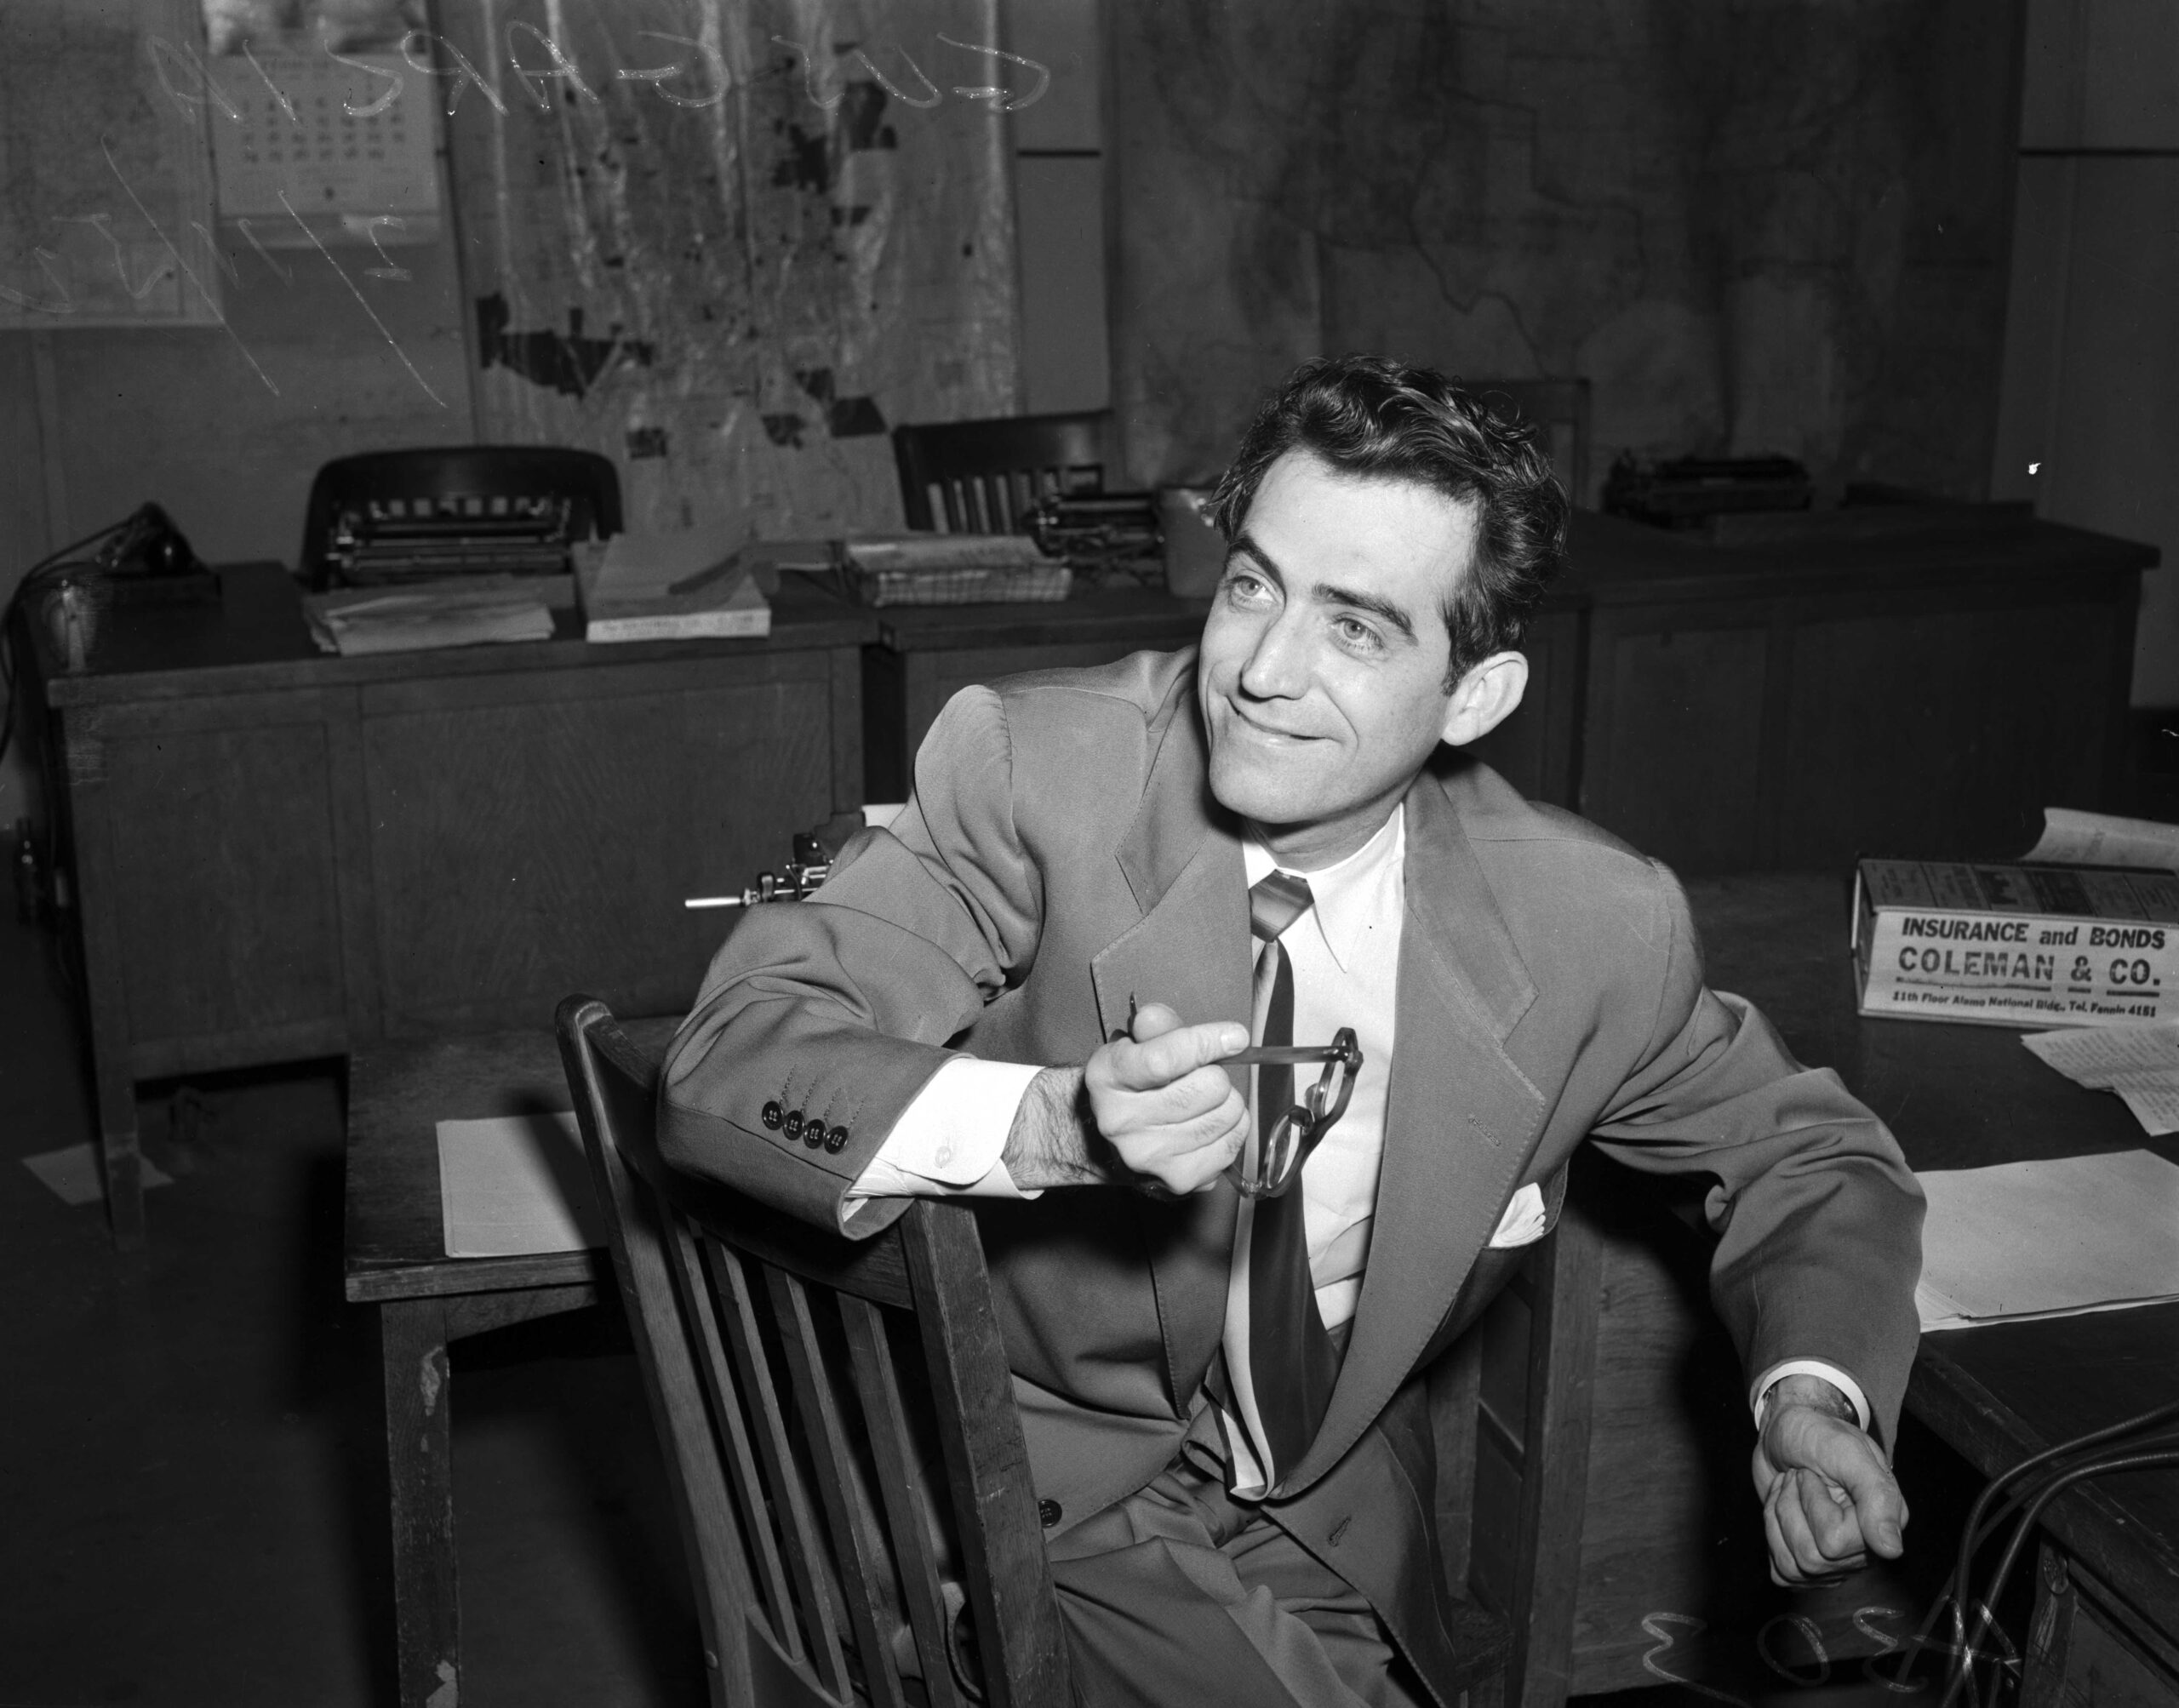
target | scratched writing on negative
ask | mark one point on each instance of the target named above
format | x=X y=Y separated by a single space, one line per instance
x=1675 y=1657
x=192 y=84
x=187 y=260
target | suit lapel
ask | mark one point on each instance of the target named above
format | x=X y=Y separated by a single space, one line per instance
x=1461 y=1122
x=1190 y=951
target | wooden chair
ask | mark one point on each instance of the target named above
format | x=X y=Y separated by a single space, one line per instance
x=1561 y=408
x=1514 y=1409
x=985 y=474
x=839 y=1426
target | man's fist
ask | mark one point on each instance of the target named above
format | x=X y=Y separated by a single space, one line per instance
x=1172 y=1118
x=1829 y=1498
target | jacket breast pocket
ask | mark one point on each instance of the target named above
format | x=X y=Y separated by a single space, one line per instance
x=1495 y=1265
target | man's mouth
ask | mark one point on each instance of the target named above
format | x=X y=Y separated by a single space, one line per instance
x=1268 y=732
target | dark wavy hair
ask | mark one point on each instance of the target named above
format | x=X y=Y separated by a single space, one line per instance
x=1369 y=416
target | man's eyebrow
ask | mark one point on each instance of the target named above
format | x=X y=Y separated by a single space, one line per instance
x=1326 y=594
x=1244 y=546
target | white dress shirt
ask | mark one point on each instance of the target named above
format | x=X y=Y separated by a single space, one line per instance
x=1345 y=952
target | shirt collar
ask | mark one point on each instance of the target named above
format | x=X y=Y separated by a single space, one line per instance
x=1348 y=898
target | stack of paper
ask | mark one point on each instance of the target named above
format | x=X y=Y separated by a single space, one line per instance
x=2140 y=1063
x=2055 y=1238
x=671 y=587
x=951 y=569
x=368 y=620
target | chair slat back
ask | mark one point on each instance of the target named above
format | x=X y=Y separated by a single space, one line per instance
x=982 y=476
x=838 y=1426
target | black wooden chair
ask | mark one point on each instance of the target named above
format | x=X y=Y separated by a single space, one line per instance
x=839 y=1426
x=985 y=474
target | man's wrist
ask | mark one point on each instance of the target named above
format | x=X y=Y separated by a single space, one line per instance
x=1050 y=1143
x=1801 y=1389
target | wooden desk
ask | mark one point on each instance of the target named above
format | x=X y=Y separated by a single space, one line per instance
x=396 y=1260
x=1961 y=1097
x=279 y=855
x=1957 y=1097
x=1660 y=1529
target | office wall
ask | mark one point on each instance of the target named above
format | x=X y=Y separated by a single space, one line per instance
x=2089 y=429
x=1770 y=228
x=732 y=290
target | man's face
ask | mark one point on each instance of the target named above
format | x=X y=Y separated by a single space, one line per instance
x=1323 y=680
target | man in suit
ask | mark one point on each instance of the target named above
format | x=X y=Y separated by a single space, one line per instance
x=1108 y=883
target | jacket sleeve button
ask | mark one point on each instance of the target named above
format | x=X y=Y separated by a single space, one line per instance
x=773 y=1114
x=812 y=1134
x=1048 y=1513
x=837 y=1141
x=793 y=1124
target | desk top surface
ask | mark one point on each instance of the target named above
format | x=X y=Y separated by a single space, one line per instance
x=1960 y=1097
x=398 y=1094
x=254 y=638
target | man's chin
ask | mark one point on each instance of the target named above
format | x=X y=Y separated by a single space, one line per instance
x=1243 y=788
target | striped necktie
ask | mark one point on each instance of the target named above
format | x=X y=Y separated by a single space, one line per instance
x=1280 y=1360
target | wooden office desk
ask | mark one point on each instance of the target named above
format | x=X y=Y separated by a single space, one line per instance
x=1967 y=1097
x=279 y=855
x=1661 y=1538
x=396 y=1260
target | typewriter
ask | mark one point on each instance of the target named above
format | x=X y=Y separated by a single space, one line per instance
x=397 y=518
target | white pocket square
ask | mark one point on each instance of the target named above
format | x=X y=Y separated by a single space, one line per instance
x=1525 y=1221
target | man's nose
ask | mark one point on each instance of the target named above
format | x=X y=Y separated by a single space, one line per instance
x=1277 y=667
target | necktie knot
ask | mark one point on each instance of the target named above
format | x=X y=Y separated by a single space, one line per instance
x=1275 y=902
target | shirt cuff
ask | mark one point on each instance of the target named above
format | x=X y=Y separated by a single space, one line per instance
x=1758 y=1395
x=949 y=1139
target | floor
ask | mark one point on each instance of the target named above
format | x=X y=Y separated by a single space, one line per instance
x=191 y=1498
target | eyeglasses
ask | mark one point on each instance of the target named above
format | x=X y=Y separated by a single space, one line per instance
x=1267 y=1167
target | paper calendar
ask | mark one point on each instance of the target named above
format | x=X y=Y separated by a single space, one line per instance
x=322 y=134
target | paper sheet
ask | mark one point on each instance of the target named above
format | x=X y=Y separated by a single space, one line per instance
x=73 y=1173
x=2071 y=837
x=2154 y=1102
x=2095 y=1056
x=2140 y=1063
x=516 y=1185
x=2054 y=1238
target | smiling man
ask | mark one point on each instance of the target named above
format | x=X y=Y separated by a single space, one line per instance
x=1109 y=884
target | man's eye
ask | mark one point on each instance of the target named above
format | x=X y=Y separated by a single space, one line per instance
x=1355 y=632
x=1246 y=583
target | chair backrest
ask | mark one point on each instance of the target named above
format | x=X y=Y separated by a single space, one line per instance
x=839 y=1425
x=1560 y=408
x=984 y=474
x=472 y=480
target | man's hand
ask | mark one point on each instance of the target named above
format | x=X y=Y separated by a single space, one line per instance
x=1173 y=1120
x=1829 y=1498
x=1148 y=1111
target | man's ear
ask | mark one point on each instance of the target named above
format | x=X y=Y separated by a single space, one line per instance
x=1487 y=696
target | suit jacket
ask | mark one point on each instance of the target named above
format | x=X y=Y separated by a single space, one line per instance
x=1062 y=858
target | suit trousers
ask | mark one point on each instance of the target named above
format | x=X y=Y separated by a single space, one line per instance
x=1180 y=1597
